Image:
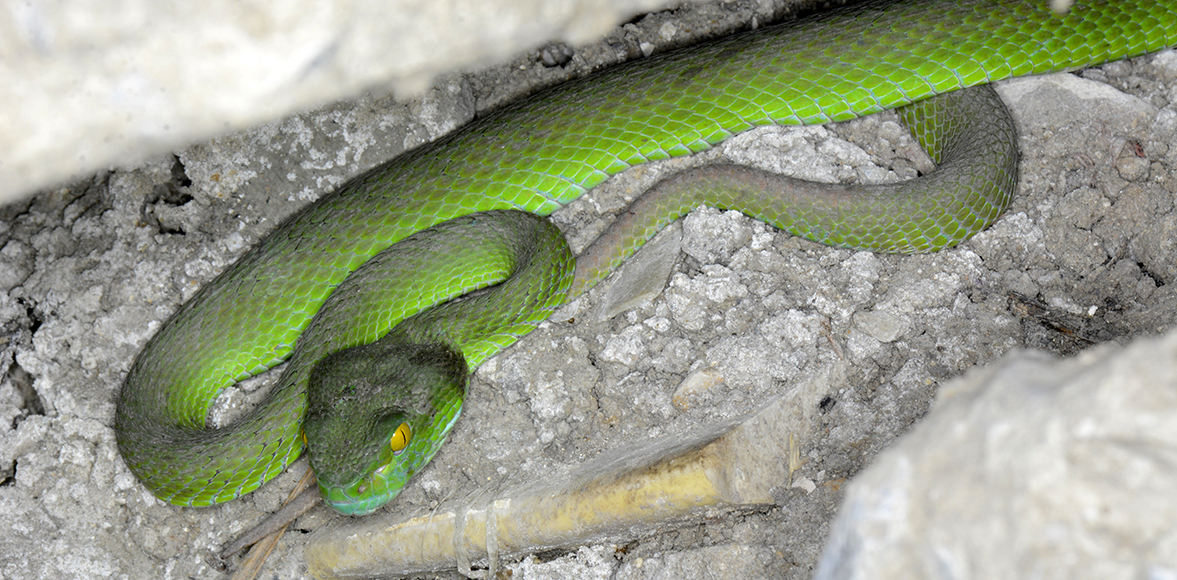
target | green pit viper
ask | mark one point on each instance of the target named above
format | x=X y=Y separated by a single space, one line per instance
x=534 y=156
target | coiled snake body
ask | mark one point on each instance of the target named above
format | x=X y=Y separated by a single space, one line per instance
x=536 y=156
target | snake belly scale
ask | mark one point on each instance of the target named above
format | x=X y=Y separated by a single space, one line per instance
x=539 y=154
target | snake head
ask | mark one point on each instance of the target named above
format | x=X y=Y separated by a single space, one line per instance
x=376 y=414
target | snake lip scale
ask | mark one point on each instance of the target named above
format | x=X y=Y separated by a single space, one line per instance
x=539 y=154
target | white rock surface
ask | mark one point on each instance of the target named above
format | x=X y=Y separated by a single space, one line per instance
x=86 y=84
x=1033 y=467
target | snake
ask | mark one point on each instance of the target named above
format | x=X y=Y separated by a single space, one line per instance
x=385 y=294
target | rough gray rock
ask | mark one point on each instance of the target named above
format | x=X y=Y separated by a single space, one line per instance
x=1030 y=467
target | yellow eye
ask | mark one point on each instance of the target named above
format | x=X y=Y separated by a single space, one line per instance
x=400 y=439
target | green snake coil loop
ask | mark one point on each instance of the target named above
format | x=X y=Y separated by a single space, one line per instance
x=543 y=152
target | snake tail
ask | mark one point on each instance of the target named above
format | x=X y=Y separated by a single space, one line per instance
x=969 y=134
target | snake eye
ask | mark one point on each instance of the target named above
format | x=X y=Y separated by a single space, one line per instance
x=400 y=438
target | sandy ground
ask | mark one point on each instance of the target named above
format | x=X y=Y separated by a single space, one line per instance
x=1086 y=254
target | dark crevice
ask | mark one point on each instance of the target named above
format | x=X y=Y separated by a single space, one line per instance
x=1056 y=330
x=1111 y=304
x=550 y=555
x=1144 y=271
x=826 y=404
x=35 y=318
x=8 y=475
x=31 y=402
x=169 y=193
x=164 y=197
x=180 y=174
x=15 y=334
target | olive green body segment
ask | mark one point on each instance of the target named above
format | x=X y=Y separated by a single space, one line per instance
x=969 y=134
x=543 y=152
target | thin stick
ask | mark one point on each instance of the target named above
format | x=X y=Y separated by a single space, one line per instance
x=264 y=536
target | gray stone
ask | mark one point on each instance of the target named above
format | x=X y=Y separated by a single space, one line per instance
x=1033 y=466
x=86 y=87
x=643 y=277
x=881 y=325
